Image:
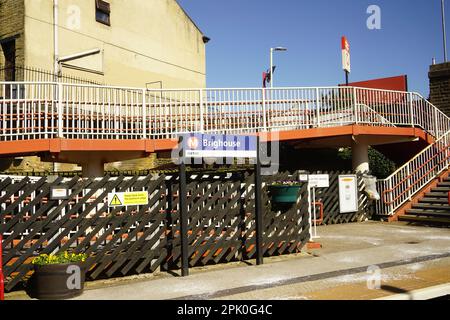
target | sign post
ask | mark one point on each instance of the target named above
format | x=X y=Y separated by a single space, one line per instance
x=258 y=209
x=346 y=58
x=314 y=181
x=200 y=146
x=183 y=218
x=2 y=279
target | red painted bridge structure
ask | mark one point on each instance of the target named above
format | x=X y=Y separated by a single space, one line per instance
x=92 y=125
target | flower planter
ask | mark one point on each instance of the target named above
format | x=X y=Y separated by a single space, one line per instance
x=57 y=281
x=284 y=194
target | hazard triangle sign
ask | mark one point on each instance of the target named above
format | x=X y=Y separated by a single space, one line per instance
x=125 y=199
x=115 y=201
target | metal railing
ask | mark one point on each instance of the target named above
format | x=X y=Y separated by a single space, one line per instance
x=33 y=74
x=41 y=110
x=36 y=110
x=21 y=73
x=409 y=179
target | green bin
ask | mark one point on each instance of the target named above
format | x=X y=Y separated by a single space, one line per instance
x=284 y=194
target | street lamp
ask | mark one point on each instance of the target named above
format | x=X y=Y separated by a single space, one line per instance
x=271 y=62
x=443 y=30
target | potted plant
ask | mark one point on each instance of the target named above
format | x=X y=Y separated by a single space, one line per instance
x=57 y=276
x=285 y=191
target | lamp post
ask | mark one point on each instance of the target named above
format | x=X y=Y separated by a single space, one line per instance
x=443 y=30
x=271 y=62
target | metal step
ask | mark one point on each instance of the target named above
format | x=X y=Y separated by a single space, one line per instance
x=438 y=207
x=441 y=189
x=427 y=213
x=409 y=218
x=445 y=184
x=437 y=194
x=434 y=200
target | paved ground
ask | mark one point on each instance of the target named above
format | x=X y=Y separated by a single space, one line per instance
x=405 y=258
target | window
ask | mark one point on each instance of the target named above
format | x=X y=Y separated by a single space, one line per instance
x=102 y=12
x=9 y=52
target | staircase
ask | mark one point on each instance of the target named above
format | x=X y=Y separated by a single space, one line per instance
x=418 y=191
x=433 y=208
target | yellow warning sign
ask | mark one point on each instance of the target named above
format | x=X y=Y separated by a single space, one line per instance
x=118 y=199
x=115 y=201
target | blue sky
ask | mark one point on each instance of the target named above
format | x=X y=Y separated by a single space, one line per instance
x=242 y=32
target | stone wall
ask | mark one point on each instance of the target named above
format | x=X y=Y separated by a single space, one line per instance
x=440 y=86
x=34 y=164
x=148 y=163
x=12 y=25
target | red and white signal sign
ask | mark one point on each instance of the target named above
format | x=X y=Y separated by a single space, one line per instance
x=345 y=55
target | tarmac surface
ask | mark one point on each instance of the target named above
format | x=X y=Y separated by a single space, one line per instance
x=357 y=262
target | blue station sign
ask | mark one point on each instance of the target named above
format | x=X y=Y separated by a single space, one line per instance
x=219 y=146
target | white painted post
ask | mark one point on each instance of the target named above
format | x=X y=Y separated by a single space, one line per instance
x=60 y=110
x=391 y=205
x=411 y=107
x=436 y=125
x=408 y=172
x=309 y=213
x=264 y=109
x=314 y=212
x=202 y=116
x=318 y=107
x=144 y=114
x=446 y=150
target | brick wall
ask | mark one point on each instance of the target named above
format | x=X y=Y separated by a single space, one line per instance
x=12 y=24
x=150 y=162
x=440 y=86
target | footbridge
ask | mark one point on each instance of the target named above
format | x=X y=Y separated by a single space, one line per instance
x=92 y=125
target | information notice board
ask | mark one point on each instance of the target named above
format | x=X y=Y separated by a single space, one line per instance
x=348 y=193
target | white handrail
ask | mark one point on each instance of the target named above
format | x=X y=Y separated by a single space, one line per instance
x=418 y=172
x=42 y=110
x=412 y=177
x=417 y=156
x=83 y=111
x=96 y=112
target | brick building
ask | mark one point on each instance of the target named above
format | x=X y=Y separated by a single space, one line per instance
x=440 y=86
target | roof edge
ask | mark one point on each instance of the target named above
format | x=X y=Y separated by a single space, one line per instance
x=187 y=15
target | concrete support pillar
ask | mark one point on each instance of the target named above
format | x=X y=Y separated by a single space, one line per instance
x=360 y=156
x=93 y=169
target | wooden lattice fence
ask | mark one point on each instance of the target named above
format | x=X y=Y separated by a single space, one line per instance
x=140 y=239
x=330 y=200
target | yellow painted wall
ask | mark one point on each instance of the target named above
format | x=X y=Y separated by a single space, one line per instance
x=151 y=40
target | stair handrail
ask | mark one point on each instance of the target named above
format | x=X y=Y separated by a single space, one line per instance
x=435 y=123
x=437 y=113
x=384 y=121
x=436 y=159
x=423 y=165
x=415 y=157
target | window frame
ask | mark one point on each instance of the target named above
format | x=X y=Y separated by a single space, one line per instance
x=104 y=8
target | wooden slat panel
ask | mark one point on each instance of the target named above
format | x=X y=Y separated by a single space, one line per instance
x=130 y=240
